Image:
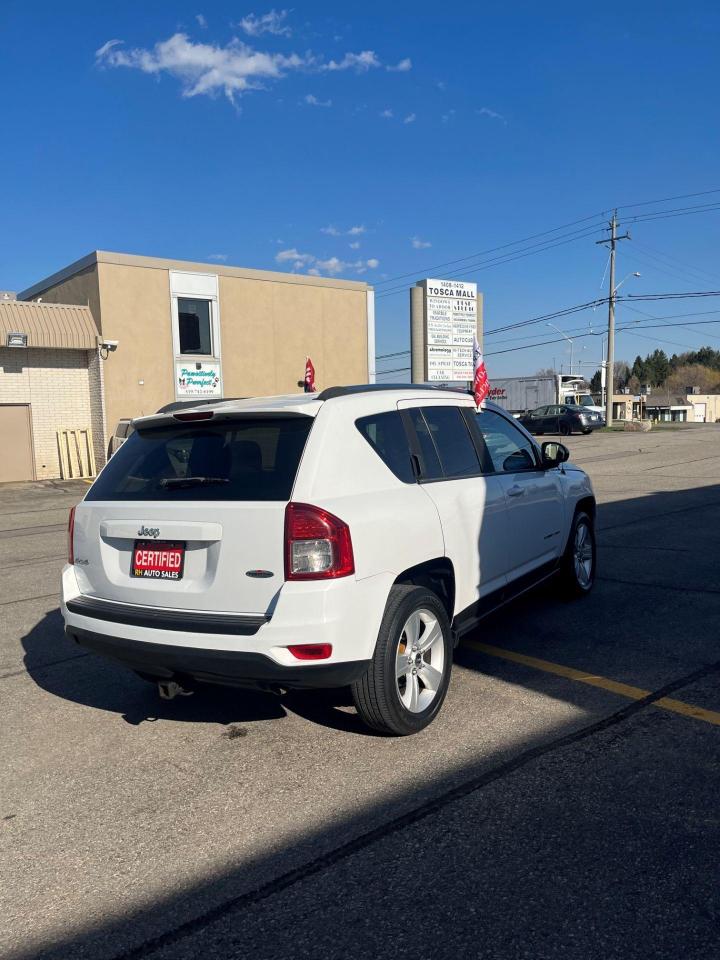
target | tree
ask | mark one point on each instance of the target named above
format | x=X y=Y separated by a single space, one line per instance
x=545 y=372
x=639 y=369
x=694 y=375
x=596 y=382
x=622 y=373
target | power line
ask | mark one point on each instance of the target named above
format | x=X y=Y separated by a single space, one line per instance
x=494 y=261
x=667 y=214
x=682 y=196
x=483 y=253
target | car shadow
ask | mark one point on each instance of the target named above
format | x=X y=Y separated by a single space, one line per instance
x=104 y=685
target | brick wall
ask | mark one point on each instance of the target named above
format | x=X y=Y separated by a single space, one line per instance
x=56 y=384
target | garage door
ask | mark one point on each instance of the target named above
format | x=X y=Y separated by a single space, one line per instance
x=16 y=459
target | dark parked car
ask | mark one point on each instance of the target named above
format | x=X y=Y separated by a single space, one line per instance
x=563 y=419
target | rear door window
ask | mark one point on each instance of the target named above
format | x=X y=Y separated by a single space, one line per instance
x=386 y=435
x=253 y=458
x=452 y=441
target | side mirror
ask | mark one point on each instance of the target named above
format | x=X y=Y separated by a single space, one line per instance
x=553 y=454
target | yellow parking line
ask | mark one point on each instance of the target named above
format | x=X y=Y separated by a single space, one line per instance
x=613 y=686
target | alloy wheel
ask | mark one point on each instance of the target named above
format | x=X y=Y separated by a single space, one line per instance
x=583 y=555
x=420 y=660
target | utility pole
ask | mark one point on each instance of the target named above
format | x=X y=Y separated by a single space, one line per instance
x=610 y=368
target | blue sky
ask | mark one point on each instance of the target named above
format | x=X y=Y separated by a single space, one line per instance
x=370 y=142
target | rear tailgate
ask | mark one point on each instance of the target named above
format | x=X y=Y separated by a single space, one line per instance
x=191 y=515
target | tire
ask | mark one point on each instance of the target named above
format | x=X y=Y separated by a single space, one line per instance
x=395 y=704
x=587 y=431
x=565 y=429
x=578 y=570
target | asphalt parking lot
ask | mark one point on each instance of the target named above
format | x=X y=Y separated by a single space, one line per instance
x=564 y=804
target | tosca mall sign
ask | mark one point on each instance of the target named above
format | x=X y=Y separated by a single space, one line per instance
x=449 y=320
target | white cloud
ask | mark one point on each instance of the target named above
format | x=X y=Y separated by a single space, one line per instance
x=410 y=118
x=331 y=266
x=355 y=245
x=419 y=244
x=233 y=69
x=201 y=20
x=360 y=62
x=298 y=260
x=388 y=114
x=105 y=49
x=273 y=22
x=313 y=101
x=203 y=68
x=402 y=66
x=332 y=231
x=220 y=257
x=493 y=114
x=448 y=116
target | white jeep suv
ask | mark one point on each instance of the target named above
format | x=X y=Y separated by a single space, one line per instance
x=346 y=537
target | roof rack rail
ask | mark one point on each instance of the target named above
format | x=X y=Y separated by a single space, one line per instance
x=330 y=393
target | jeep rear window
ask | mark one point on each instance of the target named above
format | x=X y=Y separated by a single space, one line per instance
x=253 y=458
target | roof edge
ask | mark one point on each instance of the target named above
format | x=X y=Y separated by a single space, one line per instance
x=76 y=267
x=162 y=263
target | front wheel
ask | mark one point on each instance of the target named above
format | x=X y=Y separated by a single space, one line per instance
x=577 y=574
x=409 y=674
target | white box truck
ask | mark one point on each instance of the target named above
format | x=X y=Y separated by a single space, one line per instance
x=518 y=395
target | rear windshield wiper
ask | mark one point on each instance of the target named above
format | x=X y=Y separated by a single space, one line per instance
x=176 y=482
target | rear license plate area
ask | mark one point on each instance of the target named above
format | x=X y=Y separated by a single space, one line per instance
x=158 y=560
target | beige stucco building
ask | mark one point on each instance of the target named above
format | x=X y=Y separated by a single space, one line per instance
x=169 y=330
x=116 y=336
x=706 y=407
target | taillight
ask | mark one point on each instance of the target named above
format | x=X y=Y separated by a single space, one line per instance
x=317 y=544
x=71 y=536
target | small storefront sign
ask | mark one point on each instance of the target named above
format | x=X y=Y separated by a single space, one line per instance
x=194 y=379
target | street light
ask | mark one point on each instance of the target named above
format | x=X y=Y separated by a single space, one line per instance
x=635 y=274
x=569 y=340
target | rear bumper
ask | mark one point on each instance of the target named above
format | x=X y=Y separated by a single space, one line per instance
x=232 y=668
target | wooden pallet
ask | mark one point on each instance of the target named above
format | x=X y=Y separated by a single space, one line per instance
x=77 y=456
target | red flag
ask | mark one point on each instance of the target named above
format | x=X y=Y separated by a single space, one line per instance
x=481 y=385
x=309 y=376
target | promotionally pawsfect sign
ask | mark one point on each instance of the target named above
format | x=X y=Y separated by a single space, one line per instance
x=197 y=380
x=451 y=322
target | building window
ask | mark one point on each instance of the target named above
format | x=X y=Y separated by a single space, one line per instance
x=195 y=327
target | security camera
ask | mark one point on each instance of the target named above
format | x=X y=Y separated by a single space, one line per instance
x=110 y=345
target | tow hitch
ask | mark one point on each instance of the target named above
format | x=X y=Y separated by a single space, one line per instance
x=169 y=689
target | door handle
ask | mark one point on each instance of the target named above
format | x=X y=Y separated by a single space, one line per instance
x=516 y=490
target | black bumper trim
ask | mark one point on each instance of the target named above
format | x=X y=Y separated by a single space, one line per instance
x=228 y=667
x=189 y=621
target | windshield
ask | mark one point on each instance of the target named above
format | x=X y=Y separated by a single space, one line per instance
x=246 y=459
x=585 y=402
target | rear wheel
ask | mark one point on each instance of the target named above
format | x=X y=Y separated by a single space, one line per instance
x=587 y=430
x=408 y=678
x=577 y=573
